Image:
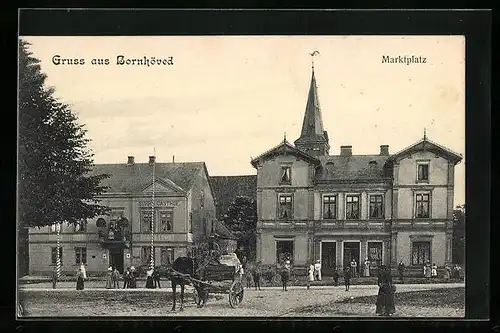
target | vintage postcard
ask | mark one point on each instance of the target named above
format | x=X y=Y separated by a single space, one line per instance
x=245 y=176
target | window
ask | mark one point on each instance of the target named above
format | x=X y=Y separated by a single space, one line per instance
x=422 y=205
x=146 y=255
x=54 y=255
x=423 y=172
x=166 y=255
x=352 y=207
x=166 y=220
x=80 y=226
x=80 y=255
x=146 y=220
x=329 y=207
x=375 y=253
x=285 y=207
x=202 y=198
x=420 y=253
x=376 y=207
x=285 y=176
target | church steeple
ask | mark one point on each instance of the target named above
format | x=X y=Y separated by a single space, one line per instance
x=313 y=139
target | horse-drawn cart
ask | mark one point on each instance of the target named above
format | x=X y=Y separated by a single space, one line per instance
x=216 y=277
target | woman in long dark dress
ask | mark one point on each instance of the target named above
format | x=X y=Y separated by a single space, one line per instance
x=132 y=282
x=385 y=298
x=149 y=279
x=79 y=280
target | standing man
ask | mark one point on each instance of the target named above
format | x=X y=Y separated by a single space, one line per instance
x=116 y=278
x=256 y=276
x=347 y=278
x=401 y=269
x=126 y=278
x=156 y=278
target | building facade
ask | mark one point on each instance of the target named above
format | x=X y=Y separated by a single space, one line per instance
x=183 y=210
x=335 y=208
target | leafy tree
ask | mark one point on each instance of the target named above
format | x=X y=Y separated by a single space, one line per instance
x=458 y=242
x=241 y=219
x=54 y=163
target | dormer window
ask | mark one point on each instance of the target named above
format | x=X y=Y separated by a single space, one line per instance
x=285 y=176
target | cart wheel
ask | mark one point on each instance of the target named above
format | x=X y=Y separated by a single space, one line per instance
x=236 y=294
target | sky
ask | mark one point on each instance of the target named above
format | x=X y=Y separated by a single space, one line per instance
x=227 y=99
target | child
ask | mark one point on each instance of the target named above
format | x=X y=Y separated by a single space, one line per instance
x=335 y=277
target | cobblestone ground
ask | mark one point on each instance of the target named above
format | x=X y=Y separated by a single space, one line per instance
x=41 y=300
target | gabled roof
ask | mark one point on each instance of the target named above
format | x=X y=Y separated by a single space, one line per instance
x=227 y=188
x=427 y=145
x=165 y=183
x=284 y=148
x=221 y=231
x=354 y=167
x=312 y=125
x=135 y=178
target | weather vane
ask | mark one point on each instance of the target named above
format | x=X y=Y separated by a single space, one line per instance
x=316 y=52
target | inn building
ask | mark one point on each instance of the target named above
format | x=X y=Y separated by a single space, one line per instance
x=314 y=205
x=184 y=214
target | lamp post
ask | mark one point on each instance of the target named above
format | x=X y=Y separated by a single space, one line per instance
x=58 y=255
x=152 y=264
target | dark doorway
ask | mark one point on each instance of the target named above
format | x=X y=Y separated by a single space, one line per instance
x=328 y=258
x=284 y=251
x=351 y=251
x=116 y=259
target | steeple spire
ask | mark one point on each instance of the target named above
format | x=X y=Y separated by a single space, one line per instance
x=313 y=139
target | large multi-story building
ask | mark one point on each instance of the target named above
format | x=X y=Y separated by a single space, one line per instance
x=385 y=207
x=184 y=213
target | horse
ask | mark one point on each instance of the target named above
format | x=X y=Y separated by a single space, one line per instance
x=183 y=265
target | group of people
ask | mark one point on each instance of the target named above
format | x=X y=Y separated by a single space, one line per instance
x=351 y=271
x=112 y=278
x=253 y=274
x=430 y=271
x=129 y=278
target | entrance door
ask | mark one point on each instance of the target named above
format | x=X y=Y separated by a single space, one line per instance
x=328 y=258
x=284 y=251
x=116 y=259
x=351 y=251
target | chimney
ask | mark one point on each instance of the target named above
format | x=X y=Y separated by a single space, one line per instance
x=130 y=160
x=384 y=150
x=173 y=158
x=152 y=160
x=345 y=150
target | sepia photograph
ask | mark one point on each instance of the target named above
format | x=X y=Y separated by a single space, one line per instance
x=241 y=176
